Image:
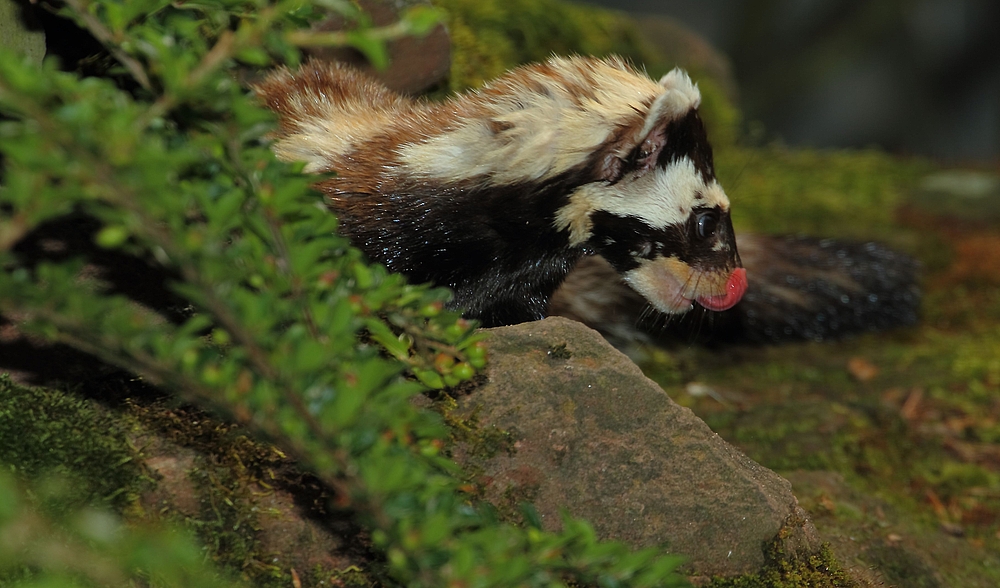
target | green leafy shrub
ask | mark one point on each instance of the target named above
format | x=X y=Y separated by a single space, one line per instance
x=292 y=334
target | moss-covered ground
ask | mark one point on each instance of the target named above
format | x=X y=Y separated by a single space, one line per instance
x=74 y=442
x=160 y=464
x=907 y=422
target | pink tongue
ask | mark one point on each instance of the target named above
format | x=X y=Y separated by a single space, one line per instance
x=735 y=288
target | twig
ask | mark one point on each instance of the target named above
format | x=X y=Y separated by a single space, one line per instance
x=219 y=52
x=303 y=38
x=106 y=37
x=222 y=50
x=157 y=373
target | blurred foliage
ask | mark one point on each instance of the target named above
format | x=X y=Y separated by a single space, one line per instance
x=17 y=35
x=43 y=544
x=288 y=332
x=852 y=194
x=489 y=37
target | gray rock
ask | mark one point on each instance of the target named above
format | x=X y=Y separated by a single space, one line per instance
x=592 y=435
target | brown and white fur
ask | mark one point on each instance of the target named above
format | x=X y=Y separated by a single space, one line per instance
x=497 y=193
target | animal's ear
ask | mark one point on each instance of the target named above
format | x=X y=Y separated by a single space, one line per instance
x=610 y=167
x=643 y=157
x=636 y=153
x=679 y=81
x=636 y=149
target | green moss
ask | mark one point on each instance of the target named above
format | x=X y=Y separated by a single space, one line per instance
x=18 y=35
x=228 y=522
x=859 y=440
x=559 y=352
x=349 y=577
x=491 y=36
x=482 y=443
x=723 y=119
x=820 y=570
x=49 y=432
x=821 y=193
x=901 y=567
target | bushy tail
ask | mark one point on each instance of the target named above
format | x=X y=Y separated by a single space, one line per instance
x=325 y=110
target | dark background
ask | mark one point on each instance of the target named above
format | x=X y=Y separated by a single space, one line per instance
x=909 y=76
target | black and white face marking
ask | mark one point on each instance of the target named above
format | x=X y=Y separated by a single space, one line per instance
x=705 y=241
x=662 y=220
x=668 y=142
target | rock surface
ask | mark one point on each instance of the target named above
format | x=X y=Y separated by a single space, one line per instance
x=597 y=438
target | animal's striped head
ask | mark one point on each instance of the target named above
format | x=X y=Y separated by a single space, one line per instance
x=656 y=211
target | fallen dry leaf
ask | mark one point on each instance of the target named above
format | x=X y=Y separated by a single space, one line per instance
x=861 y=369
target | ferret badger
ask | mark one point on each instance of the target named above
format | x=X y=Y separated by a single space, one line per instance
x=498 y=193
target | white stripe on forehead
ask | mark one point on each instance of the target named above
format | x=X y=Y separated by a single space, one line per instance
x=660 y=198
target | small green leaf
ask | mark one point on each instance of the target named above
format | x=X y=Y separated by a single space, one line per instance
x=373 y=49
x=254 y=56
x=111 y=236
x=530 y=516
x=420 y=20
x=430 y=378
x=399 y=348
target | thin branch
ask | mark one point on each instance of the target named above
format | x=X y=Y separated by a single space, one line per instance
x=278 y=240
x=106 y=37
x=286 y=261
x=303 y=38
x=159 y=374
x=222 y=50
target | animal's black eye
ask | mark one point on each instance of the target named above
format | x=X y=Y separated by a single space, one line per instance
x=705 y=224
